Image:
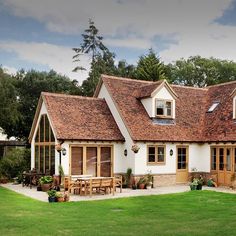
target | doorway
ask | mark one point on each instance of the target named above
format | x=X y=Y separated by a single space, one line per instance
x=182 y=164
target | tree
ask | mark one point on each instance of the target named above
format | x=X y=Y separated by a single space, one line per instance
x=92 y=44
x=19 y=98
x=150 y=67
x=124 y=69
x=9 y=115
x=103 y=64
x=200 y=72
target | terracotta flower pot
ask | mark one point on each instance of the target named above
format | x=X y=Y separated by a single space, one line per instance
x=141 y=186
x=45 y=187
x=60 y=199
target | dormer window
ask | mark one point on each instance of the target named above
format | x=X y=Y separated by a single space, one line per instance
x=164 y=108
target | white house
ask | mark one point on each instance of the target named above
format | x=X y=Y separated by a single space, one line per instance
x=178 y=130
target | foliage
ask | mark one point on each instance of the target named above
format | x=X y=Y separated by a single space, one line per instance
x=52 y=193
x=15 y=162
x=103 y=64
x=9 y=105
x=46 y=180
x=150 y=67
x=20 y=96
x=92 y=44
x=200 y=72
x=203 y=213
x=61 y=171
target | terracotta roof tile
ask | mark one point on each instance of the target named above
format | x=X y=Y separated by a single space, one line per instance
x=192 y=122
x=81 y=118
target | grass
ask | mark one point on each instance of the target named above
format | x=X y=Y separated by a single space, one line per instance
x=190 y=213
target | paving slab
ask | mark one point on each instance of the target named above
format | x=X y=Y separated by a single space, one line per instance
x=42 y=196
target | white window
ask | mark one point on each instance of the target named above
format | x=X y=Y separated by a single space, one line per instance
x=164 y=108
x=213 y=106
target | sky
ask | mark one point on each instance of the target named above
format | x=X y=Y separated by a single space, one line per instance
x=41 y=34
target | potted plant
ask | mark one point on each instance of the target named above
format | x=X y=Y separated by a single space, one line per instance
x=46 y=183
x=128 y=177
x=66 y=196
x=60 y=197
x=52 y=195
x=149 y=179
x=194 y=184
x=142 y=183
x=135 y=148
x=134 y=184
x=200 y=183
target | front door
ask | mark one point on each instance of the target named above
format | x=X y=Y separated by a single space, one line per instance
x=223 y=161
x=182 y=164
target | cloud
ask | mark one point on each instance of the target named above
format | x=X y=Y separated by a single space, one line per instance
x=128 y=43
x=55 y=57
x=135 y=24
x=9 y=69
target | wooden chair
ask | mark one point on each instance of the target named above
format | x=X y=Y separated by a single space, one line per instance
x=107 y=184
x=94 y=184
x=74 y=186
x=118 y=182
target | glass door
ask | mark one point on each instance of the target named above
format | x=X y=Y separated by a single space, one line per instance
x=182 y=165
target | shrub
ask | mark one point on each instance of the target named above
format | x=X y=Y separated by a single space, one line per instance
x=15 y=162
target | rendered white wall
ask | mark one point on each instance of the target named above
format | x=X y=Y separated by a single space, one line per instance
x=148 y=105
x=199 y=158
x=129 y=161
x=141 y=166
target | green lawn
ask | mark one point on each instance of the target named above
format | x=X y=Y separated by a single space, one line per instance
x=191 y=213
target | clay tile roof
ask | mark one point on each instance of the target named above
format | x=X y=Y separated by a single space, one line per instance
x=81 y=118
x=192 y=122
x=147 y=89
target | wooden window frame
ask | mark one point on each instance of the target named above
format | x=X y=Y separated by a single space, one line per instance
x=43 y=144
x=98 y=146
x=165 y=109
x=156 y=162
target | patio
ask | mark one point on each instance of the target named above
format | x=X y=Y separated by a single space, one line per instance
x=42 y=196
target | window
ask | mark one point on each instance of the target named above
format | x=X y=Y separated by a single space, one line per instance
x=45 y=147
x=164 y=108
x=156 y=154
x=213 y=159
x=213 y=106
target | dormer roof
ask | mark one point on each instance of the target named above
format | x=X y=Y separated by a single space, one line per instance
x=149 y=90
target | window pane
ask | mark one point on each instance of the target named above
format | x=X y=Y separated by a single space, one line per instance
x=221 y=159
x=213 y=158
x=42 y=159
x=160 y=108
x=47 y=171
x=105 y=161
x=37 y=136
x=228 y=159
x=168 y=108
x=42 y=129
x=76 y=160
x=182 y=158
x=161 y=154
x=91 y=162
x=52 y=158
x=36 y=165
x=52 y=136
x=46 y=129
x=151 y=154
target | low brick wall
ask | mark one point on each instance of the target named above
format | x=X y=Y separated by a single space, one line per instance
x=164 y=180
